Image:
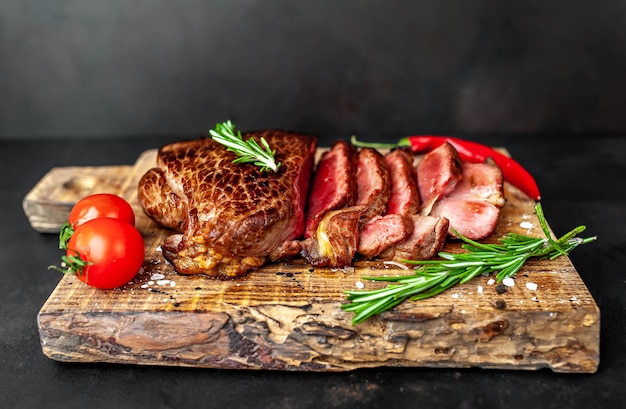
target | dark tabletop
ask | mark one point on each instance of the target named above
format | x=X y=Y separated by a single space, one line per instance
x=582 y=182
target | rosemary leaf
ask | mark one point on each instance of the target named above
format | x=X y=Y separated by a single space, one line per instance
x=249 y=150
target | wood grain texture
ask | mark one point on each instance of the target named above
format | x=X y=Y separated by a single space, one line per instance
x=287 y=316
x=49 y=202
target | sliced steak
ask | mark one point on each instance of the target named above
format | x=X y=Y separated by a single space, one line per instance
x=473 y=219
x=438 y=173
x=336 y=238
x=332 y=221
x=335 y=241
x=473 y=207
x=480 y=182
x=383 y=231
x=404 y=198
x=401 y=233
x=333 y=185
x=230 y=218
x=373 y=184
x=427 y=239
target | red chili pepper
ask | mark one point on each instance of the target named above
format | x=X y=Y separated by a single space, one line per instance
x=469 y=151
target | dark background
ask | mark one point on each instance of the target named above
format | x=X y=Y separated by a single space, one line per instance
x=97 y=82
x=379 y=69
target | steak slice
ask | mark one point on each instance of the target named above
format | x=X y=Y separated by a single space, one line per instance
x=481 y=182
x=473 y=219
x=438 y=173
x=230 y=218
x=332 y=220
x=404 y=197
x=383 y=231
x=427 y=238
x=335 y=241
x=373 y=184
x=473 y=207
x=333 y=185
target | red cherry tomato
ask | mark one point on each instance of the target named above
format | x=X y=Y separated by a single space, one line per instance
x=105 y=252
x=101 y=205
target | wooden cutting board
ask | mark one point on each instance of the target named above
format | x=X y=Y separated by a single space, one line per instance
x=287 y=316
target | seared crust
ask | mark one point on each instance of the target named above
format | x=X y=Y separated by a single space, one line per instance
x=336 y=240
x=231 y=216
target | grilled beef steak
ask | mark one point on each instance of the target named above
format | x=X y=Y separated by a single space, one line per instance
x=364 y=224
x=230 y=218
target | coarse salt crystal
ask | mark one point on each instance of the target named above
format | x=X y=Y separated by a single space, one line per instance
x=163 y=282
x=526 y=225
x=172 y=283
x=491 y=281
x=509 y=282
x=531 y=286
x=144 y=286
x=157 y=276
x=455 y=295
x=480 y=289
x=359 y=284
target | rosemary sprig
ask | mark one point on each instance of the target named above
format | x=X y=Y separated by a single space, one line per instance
x=249 y=151
x=432 y=277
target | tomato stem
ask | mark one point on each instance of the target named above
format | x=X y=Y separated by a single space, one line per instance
x=72 y=264
x=64 y=235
